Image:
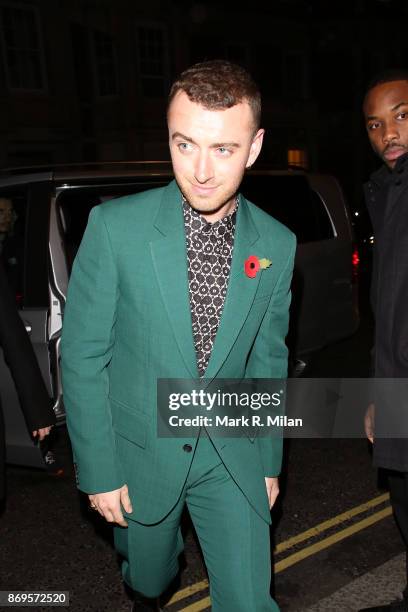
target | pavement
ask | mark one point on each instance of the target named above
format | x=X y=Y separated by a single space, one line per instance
x=378 y=587
x=349 y=554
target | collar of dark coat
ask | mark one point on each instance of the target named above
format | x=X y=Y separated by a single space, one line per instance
x=383 y=175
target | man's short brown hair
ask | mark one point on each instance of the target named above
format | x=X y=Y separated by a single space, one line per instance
x=217 y=85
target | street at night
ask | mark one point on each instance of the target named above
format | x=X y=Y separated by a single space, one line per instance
x=332 y=524
x=203 y=191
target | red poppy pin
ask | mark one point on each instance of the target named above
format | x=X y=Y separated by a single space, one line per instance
x=253 y=265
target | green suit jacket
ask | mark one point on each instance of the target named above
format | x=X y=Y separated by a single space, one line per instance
x=127 y=322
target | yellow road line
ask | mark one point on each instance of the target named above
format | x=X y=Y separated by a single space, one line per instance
x=190 y=590
x=330 y=540
x=203 y=604
x=336 y=520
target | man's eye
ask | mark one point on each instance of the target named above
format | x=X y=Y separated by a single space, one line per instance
x=185 y=146
x=402 y=115
x=224 y=151
x=373 y=126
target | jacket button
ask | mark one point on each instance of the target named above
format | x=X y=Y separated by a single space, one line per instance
x=187 y=448
x=400 y=170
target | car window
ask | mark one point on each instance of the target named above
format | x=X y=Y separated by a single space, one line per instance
x=288 y=198
x=75 y=203
x=13 y=216
x=291 y=201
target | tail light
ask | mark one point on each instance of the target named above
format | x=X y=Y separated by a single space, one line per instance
x=355 y=262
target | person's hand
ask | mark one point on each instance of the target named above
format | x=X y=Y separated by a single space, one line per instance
x=109 y=505
x=369 y=422
x=42 y=432
x=272 y=489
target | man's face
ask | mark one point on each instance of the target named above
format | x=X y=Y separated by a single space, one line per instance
x=386 y=116
x=210 y=150
x=6 y=215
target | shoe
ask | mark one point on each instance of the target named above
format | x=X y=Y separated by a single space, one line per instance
x=141 y=604
x=399 y=605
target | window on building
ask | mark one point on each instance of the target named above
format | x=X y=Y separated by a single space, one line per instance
x=267 y=65
x=152 y=56
x=332 y=72
x=23 y=52
x=82 y=63
x=294 y=67
x=297 y=157
x=105 y=64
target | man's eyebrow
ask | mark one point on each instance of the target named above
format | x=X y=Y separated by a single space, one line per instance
x=397 y=106
x=215 y=145
x=183 y=136
x=394 y=108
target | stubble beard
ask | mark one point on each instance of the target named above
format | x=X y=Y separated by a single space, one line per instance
x=209 y=205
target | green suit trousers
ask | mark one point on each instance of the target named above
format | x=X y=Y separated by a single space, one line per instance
x=234 y=539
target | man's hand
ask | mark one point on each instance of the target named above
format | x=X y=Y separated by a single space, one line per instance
x=109 y=505
x=41 y=433
x=272 y=489
x=369 y=422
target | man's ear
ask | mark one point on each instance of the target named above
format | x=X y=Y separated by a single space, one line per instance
x=256 y=147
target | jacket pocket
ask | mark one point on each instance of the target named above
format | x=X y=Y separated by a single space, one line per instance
x=129 y=424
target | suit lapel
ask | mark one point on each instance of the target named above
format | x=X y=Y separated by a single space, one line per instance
x=170 y=264
x=241 y=290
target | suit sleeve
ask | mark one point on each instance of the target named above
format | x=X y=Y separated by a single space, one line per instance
x=19 y=356
x=269 y=355
x=86 y=349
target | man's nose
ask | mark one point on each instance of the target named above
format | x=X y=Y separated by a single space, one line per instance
x=203 y=169
x=390 y=133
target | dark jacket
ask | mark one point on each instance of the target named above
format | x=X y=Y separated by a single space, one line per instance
x=20 y=358
x=387 y=202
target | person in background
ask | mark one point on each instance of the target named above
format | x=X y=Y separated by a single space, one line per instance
x=7 y=219
x=19 y=356
x=386 y=117
x=11 y=249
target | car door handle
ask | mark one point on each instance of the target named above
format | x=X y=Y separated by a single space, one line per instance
x=28 y=327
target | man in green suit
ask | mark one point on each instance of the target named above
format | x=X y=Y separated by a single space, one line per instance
x=162 y=287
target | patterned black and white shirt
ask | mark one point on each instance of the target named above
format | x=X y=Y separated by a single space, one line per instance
x=209 y=255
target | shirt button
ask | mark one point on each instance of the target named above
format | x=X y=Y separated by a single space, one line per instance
x=187 y=448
